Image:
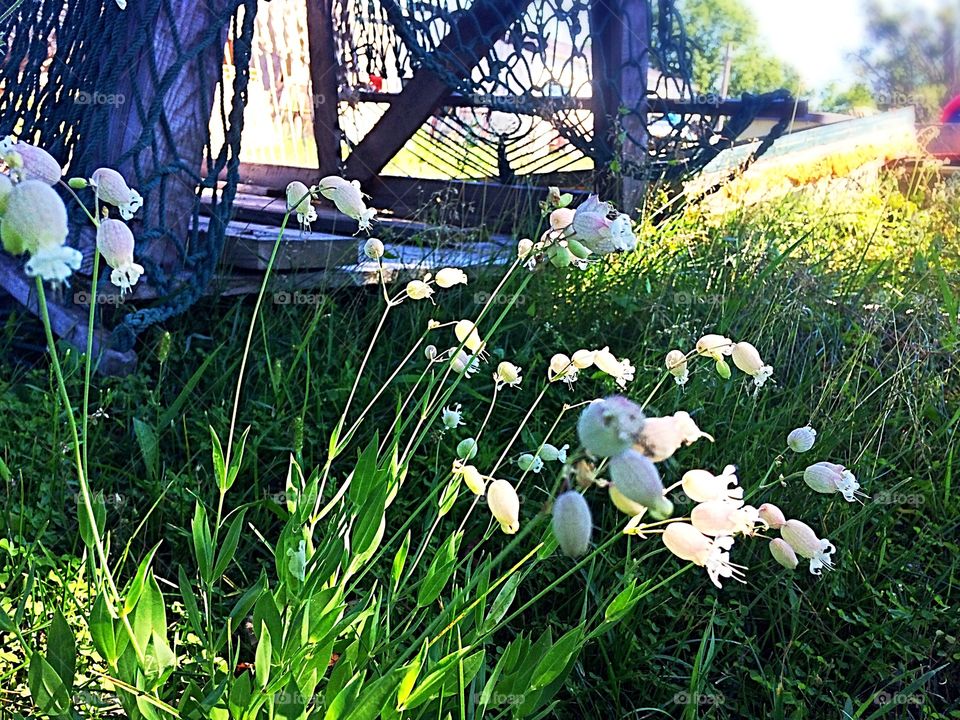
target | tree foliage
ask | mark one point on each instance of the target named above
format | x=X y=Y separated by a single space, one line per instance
x=711 y=26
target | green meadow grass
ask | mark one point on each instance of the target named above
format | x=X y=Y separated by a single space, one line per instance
x=855 y=304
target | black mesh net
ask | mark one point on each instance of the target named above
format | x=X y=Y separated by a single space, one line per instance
x=133 y=89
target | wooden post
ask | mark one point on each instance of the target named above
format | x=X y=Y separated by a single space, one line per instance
x=161 y=125
x=325 y=84
x=620 y=46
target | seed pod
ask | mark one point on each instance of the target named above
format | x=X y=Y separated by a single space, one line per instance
x=783 y=553
x=572 y=523
x=638 y=479
x=610 y=426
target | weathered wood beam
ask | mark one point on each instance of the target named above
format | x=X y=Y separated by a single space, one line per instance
x=325 y=85
x=475 y=31
x=68 y=319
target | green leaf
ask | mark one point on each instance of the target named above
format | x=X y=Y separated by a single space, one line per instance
x=202 y=543
x=502 y=603
x=62 y=649
x=49 y=693
x=149 y=446
x=449 y=495
x=440 y=570
x=264 y=656
x=410 y=675
x=622 y=603
x=374 y=696
x=556 y=659
x=190 y=602
x=139 y=581
x=229 y=547
x=399 y=561
x=219 y=468
x=87 y=532
x=103 y=629
x=236 y=461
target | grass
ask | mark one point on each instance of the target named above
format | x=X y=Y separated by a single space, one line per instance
x=853 y=302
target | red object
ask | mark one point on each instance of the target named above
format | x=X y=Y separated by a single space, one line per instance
x=951 y=111
x=376 y=82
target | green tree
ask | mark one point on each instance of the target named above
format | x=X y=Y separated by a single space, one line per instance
x=910 y=57
x=714 y=25
x=834 y=98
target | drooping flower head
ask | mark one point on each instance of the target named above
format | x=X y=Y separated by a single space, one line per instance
x=348 y=198
x=471 y=477
x=299 y=199
x=783 y=553
x=550 y=453
x=661 y=437
x=448 y=277
x=507 y=374
x=529 y=462
x=747 y=358
x=504 y=505
x=572 y=523
x=463 y=363
x=115 y=243
x=599 y=227
x=608 y=427
x=703 y=486
x=35 y=222
x=806 y=544
x=452 y=417
x=772 y=516
x=373 y=249
x=29 y=162
x=466 y=332
x=676 y=363
x=112 y=189
x=620 y=370
x=718 y=517
x=638 y=479
x=562 y=368
x=418 y=290
x=714 y=346
x=828 y=478
x=688 y=543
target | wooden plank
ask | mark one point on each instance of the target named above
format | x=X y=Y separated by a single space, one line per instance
x=485 y=22
x=942 y=140
x=68 y=318
x=250 y=246
x=325 y=85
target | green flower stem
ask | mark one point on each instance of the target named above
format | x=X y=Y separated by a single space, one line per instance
x=88 y=364
x=114 y=602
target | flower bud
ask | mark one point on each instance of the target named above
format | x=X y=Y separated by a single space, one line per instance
x=746 y=357
x=466 y=333
x=560 y=257
x=112 y=189
x=578 y=250
x=661 y=437
x=530 y=463
x=430 y=352
x=582 y=359
x=467 y=449
x=524 y=247
x=448 y=277
x=508 y=374
x=561 y=218
x=783 y=553
x=373 y=249
x=714 y=346
x=471 y=477
x=549 y=453
x=29 y=162
x=505 y=505
x=772 y=516
x=572 y=523
x=638 y=479
x=676 y=363
x=801 y=439
x=78 y=183
x=610 y=426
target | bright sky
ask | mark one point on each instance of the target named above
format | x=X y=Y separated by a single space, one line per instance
x=815 y=36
